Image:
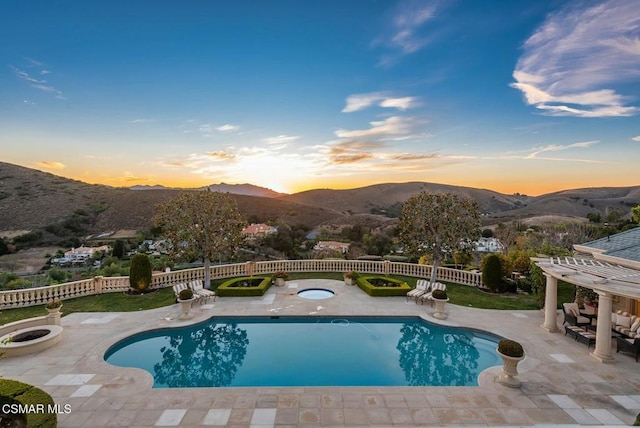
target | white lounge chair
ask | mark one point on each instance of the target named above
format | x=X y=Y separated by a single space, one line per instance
x=428 y=295
x=201 y=292
x=422 y=287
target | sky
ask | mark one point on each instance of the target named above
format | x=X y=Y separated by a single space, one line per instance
x=521 y=96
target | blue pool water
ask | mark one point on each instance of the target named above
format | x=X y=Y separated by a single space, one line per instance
x=307 y=351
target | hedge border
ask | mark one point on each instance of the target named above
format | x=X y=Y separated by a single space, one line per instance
x=225 y=289
x=30 y=395
x=373 y=291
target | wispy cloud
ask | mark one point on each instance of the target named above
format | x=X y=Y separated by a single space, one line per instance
x=405 y=34
x=142 y=121
x=130 y=177
x=221 y=155
x=35 y=82
x=50 y=165
x=636 y=138
x=558 y=148
x=227 y=127
x=572 y=63
x=537 y=153
x=358 y=102
x=391 y=126
x=281 y=141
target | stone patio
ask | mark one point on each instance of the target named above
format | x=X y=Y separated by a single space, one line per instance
x=561 y=382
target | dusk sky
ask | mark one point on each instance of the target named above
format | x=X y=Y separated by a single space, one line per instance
x=514 y=96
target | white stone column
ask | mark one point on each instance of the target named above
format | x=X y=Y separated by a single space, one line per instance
x=603 y=333
x=551 y=304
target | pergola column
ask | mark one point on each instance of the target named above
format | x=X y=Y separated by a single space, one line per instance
x=551 y=304
x=603 y=332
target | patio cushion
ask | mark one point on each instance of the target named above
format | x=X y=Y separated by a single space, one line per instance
x=582 y=320
x=572 y=308
x=624 y=321
x=635 y=325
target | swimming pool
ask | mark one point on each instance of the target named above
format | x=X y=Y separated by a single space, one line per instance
x=309 y=351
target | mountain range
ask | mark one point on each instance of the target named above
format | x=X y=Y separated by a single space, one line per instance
x=32 y=199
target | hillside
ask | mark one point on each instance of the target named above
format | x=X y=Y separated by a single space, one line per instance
x=578 y=203
x=35 y=200
x=383 y=196
x=31 y=199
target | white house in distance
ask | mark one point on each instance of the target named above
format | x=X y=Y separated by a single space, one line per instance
x=80 y=254
x=489 y=245
x=259 y=230
x=332 y=245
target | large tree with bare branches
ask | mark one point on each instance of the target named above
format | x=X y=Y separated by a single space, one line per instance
x=438 y=224
x=203 y=224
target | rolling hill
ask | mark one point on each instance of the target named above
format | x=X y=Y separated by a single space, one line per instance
x=35 y=200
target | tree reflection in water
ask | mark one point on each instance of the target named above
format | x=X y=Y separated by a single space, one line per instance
x=437 y=358
x=208 y=356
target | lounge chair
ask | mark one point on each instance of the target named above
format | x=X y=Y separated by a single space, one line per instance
x=201 y=292
x=572 y=315
x=422 y=287
x=428 y=296
x=627 y=344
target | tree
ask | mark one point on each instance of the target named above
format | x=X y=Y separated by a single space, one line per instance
x=492 y=272
x=140 y=272
x=438 y=224
x=635 y=214
x=487 y=233
x=204 y=223
x=118 y=249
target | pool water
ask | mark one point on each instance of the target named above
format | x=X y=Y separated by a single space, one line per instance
x=308 y=351
x=315 y=294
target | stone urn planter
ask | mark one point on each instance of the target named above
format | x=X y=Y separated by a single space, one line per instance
x=440 y=299
x=53 y=307
x=511 y=353
x=279 y=278
x=185 y=308
x=186 y=298
x=350 y=277
x=439 y=312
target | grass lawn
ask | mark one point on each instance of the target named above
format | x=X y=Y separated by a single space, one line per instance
x=461 y=295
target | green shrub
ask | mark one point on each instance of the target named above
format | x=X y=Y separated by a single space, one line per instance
x=185 y=294
x=439 y=294
x=140 y=272
x=365 y=285
x=510 y=348
x=230 y=288
x=53 y=304
x=492 y=272
x=29 y=395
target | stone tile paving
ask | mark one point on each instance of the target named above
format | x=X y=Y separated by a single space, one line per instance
x=562 y=383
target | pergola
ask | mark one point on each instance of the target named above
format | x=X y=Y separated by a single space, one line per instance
x=606 y=275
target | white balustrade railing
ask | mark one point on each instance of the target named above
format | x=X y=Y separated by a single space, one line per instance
x=100 y=285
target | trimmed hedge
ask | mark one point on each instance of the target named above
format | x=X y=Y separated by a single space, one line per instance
x=372 y=290
x=140 y=272
x=227 y=288
x=12 y=391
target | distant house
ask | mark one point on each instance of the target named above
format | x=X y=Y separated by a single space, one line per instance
x=332 y=245
x=258 y=230
x=489 y=245
x=82 y=253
